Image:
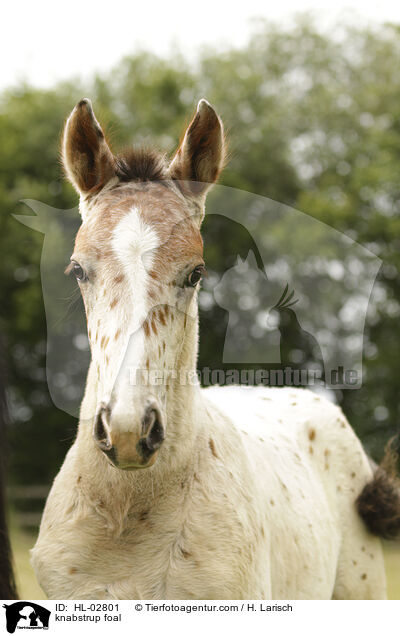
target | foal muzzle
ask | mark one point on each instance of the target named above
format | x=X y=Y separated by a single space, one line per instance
x=130 y=448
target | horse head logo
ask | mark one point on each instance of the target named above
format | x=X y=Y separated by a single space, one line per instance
x=26 y=615
x=306 y=306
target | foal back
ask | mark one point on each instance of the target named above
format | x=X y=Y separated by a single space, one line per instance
x=308 y=469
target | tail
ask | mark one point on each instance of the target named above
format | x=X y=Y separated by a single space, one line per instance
x=378 y=504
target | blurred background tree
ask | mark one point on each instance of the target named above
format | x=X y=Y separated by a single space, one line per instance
x=313 y=121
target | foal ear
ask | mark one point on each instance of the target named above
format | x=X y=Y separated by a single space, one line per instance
x=200 y=157
x=88 y=161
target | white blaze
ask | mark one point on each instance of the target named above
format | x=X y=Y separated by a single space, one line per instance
x=134 y=243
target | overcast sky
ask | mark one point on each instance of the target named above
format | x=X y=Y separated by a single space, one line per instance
x=44 y=41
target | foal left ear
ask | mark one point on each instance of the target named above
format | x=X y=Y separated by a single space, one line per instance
x=199 y=159
x=88 y=161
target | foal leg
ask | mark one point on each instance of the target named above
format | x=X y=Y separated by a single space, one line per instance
x=360 y=572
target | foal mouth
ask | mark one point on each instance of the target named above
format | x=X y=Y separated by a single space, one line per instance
x=129 y=450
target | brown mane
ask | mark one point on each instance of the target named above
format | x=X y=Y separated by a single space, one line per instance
x=141 y=164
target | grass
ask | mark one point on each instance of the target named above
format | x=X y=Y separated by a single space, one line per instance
x=392 y=566
x=22 y=541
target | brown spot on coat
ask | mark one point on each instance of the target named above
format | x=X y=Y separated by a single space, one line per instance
x=212 y=447
x=161 y=317
x=113 y=303
x=119 y=278
x=311 y=434
x=363 y=576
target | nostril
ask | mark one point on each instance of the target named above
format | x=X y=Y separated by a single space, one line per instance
x=153 y=429
x=149 y=418
x=101 y=431
x=155 y=436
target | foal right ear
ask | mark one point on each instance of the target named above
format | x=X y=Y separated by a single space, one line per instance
x=88 y=161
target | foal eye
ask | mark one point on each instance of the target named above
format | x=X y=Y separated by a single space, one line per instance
x=195 y=276
x=78 y=271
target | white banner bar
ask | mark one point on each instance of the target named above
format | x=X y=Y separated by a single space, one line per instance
x=122 y=617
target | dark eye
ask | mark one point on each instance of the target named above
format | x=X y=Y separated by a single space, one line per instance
x=195 y=276
x=78 y=271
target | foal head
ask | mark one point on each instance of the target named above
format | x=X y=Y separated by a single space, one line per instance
x=138 y=259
